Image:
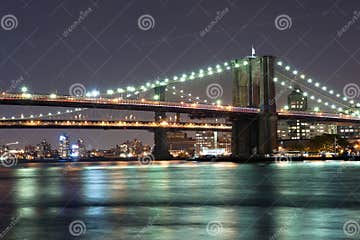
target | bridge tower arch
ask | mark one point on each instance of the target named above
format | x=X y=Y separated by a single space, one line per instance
x=253 y=86
x=161 y=146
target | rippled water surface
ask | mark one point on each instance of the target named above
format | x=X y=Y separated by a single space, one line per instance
x=179 y=200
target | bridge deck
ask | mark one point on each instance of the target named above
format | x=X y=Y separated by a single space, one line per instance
x=113 y=125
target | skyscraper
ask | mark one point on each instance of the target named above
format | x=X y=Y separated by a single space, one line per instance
x=64 y=146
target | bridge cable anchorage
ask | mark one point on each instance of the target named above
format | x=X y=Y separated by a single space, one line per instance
x=316 y=109
x=324 y=88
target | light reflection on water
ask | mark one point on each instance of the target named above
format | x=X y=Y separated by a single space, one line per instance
x=177 y=200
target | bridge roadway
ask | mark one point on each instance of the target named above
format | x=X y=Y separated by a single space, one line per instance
x=162 y=106
x=122 y=104
x=97 y=124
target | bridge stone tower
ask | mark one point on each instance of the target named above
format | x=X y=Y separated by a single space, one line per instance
x=253 y=86
x=161 y=146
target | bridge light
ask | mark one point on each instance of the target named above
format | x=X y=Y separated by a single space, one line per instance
x=209 y=69
x=295 y=72
x=283 y=83
x=337 y=95
x=324 y=88
x=305 y=94
x=110 y=92
x=237 y=65
x=345 y=99
x=120 y=90
x=279 y=63
x=326 y=103
x=316 y=109
x=331 y=92
x=340 y=109
x=53 y=95
x=309 y=80
x=226 y=64
x=317 y=84
x=24 y=89
x=302 y=76
x=287 y=68
x=286 y=107
x=245 y=63
x=333 y=106
x=312 y=97
x=351 y=101
x=319 y=100
x=175 y=78
x=275 y=79
x=95 y=93
x=156 y=97
x=166 y=80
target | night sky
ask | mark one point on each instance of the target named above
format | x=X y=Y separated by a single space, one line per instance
x=108 y=49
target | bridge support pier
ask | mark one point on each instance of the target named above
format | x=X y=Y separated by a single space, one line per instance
x=253 y=86
x=161 y=145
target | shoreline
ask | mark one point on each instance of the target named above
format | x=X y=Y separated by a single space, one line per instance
x=221 y=159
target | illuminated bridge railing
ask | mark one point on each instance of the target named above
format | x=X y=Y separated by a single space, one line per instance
x=338 y=117
x=112 y=124
x=53 y=100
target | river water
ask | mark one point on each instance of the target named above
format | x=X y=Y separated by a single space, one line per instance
x=180 y=200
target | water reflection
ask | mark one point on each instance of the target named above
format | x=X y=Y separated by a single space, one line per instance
x=178 y=200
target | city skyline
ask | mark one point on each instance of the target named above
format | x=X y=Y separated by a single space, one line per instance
x=28 y=63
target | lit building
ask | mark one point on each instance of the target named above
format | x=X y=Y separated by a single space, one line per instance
x=43 y=150
x=302 y=130
x=180 y=145
x=298 y=129
x=297 y=101
x=64 y=146
x=82 y=148
x=204 y=140
x=211 y=143
x=349 y=131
